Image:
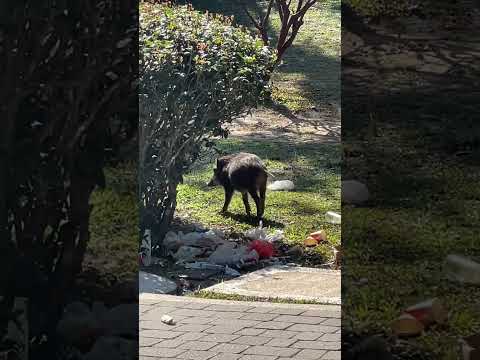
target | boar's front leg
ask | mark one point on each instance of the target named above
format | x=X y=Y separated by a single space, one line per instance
x=245 y=202
x=228 y=198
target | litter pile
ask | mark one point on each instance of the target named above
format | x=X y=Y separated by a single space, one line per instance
x=212 y=252
x=196 y=258
x=419 y=318
x=320 y=237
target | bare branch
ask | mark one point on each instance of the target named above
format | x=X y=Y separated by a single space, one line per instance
x=254 y=21
x=267 y=15
x=260 y=23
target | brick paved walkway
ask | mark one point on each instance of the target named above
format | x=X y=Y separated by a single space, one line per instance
x=226 y=330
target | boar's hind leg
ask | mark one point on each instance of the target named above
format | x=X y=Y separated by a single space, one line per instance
x=245 y=202
x=256 y=198
x=228 y=198
x=262 y=190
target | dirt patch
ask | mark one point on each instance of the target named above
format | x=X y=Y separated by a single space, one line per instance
x=319 y=125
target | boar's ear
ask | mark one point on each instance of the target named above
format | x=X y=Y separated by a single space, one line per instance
x=220 y=163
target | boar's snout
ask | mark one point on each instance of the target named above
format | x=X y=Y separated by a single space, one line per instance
x=213 y=181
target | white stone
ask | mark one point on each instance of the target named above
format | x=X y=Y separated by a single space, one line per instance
x=281 y=185
x=166 y=319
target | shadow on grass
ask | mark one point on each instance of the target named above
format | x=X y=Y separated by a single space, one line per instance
x=252 y=220
x=405 y=163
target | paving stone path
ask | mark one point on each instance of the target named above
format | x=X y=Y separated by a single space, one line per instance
x=226 y=330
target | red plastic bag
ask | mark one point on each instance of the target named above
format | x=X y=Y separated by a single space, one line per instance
x=264 y=249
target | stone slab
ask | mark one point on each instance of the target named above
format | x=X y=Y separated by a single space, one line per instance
x=286 y=282
x=154 y=284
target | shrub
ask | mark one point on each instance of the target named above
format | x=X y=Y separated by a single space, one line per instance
x=197 y=71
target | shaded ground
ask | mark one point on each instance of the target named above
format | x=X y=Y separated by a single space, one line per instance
x=410 y=132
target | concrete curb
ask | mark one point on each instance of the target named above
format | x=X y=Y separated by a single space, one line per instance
x=237 y=286
x=158 y=299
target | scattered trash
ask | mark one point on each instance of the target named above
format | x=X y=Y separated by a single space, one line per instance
x=276 y=236
x=191 y=238
x=418 y=317
x=203 y=266
x=310 y=241
x=281 y=185
x=167 y=319
x=187 y=254
x=471 y=347
x=428 y=312
x=294 y=251
x=406 y=326
x=354 y=192
x=264 y=248
x=256 y=234
x=157 y=261
x=333 y=218
x=171 y=241
x=260 y=234
x=146 y=249
x=216 y=235
x=200 y=274
x=315 y=238
x=228 y=254
x=231 y=272
x=320 y=236
x=206 y=270
x=462 y=269
x=251 y=257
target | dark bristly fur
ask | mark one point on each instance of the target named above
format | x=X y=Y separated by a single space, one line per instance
x=245 y=173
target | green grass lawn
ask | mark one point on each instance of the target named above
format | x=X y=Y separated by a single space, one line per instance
x=315 y=169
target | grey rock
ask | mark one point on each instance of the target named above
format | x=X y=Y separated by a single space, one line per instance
x=354 y=192
x=154 y=284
